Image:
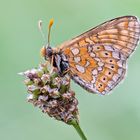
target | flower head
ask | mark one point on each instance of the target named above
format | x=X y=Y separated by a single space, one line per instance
x=51 y=93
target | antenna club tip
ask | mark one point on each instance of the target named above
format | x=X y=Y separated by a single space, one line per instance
x=51 y=22
x=39 y=24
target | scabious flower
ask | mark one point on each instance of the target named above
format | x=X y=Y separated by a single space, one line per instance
x=51 y=93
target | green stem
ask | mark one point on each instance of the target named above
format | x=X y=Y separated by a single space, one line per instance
x=78 y=129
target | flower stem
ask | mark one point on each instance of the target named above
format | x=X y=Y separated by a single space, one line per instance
x=76 y=125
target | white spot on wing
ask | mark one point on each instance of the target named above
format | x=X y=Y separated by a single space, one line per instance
x=110 y=84
x=116 y=55
x=107 y=89
x=77 y=59
x=115 y=77
x=100 y=64
x=120 y=71
x=89 y=48
x=100 y=68
x=94 y=72
x=121 y=63
x=97 y=59
x=131 y=24
x=92 y=54
x=137 y=30
x=87 y=64
x=80 y=68
x=108 y=48
x=75 y=51
x=123 y=57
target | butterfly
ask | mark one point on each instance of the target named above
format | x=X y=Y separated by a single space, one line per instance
x=97 y=59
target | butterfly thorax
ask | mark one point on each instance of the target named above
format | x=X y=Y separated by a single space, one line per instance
x=56 y=58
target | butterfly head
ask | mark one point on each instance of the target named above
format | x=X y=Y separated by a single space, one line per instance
x=46 y=51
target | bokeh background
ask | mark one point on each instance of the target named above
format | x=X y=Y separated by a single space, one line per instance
x=113 y=117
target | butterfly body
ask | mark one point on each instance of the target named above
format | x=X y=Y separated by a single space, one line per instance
x=96 y=60
x=61 y=63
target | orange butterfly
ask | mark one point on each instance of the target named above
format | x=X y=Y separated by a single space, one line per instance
x=96 y=59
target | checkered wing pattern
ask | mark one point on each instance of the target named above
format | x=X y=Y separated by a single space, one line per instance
x=97 y=58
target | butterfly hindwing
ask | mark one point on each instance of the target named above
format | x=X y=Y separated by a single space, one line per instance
x=97 y=58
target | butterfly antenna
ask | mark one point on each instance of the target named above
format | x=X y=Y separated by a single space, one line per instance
x=40 y=29
x=49 y=27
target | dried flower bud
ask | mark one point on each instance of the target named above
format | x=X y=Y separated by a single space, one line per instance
x=32 y=88
x=28 y=82
x=54 y=93
x=45 y=78
x=51 y=93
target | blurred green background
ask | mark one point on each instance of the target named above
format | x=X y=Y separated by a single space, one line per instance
x=113 y=117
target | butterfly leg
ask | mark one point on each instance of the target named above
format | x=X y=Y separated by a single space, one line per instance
x=52 y=66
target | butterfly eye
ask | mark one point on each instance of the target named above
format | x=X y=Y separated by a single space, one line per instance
x=48 y=52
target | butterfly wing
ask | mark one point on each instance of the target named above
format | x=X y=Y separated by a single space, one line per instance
x=97 y=58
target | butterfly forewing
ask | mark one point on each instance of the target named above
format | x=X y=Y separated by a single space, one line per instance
x=97 y=58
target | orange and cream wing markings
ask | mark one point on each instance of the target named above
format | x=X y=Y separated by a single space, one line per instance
x=97 y=58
